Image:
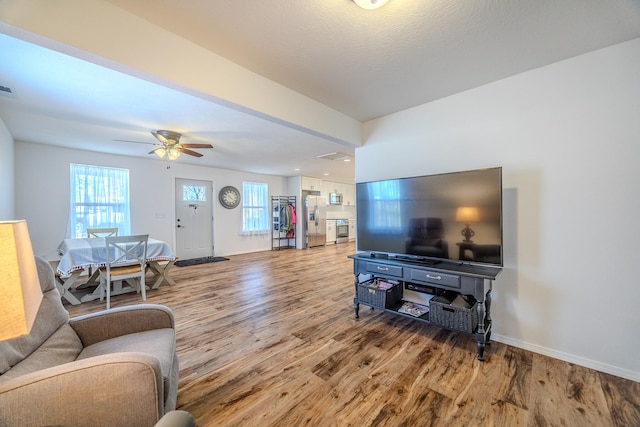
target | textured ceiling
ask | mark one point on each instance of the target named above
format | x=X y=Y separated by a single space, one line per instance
x=368 y=64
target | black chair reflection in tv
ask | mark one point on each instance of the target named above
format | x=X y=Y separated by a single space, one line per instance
x=426 y=238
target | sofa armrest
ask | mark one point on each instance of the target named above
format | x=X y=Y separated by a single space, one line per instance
x=177 y=418
x=115 y=322
x=109 y=390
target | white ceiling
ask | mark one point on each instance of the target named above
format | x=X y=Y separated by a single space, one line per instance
x=365 y=64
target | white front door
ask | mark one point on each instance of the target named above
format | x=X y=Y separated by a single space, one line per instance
x=194 y=218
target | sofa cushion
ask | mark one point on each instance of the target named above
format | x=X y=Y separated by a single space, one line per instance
x=160 y=343
x=62 y=347
x=51 y=315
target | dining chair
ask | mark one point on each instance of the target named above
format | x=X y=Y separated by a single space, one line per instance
x=126 y=259
x=101 y=232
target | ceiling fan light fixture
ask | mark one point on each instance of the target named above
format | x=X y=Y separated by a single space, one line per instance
x=173 y=153
x=370 y=4
x=167 y=136
x=160 y=152
x=171 y=147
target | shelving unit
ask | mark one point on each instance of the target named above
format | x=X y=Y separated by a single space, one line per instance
x=438 y=279
x=283 y=222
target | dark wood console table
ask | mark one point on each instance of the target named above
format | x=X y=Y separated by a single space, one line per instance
x=463 y=279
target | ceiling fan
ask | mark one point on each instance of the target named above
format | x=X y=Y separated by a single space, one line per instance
x=171 y=146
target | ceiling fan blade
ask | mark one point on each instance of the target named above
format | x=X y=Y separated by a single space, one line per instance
x=170 y=140
x=189 y=152
x=197 y=145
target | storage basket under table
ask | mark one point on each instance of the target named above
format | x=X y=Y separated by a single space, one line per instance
x=442 y=313
x=369 y=294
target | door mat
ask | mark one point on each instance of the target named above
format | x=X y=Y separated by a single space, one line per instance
x=196 y=261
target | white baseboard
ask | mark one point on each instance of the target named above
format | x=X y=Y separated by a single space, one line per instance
x=571 y=358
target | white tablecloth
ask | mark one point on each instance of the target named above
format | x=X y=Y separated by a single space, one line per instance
x=78 y=254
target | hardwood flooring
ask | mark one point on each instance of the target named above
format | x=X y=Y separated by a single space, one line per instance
x=270 y=339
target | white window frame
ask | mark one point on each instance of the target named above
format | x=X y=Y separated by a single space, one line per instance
x=99 y=198
x=255 y=208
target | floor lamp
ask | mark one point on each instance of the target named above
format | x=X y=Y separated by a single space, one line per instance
x=20 y=293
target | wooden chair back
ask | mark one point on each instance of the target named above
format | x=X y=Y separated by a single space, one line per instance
x=126 y=258
x=102 y=232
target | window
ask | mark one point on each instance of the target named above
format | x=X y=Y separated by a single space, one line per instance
x=255 y=208
x=99 y=199
x=194 y=193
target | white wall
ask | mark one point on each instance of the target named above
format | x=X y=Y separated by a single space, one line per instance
x=567 y=137
x=7 y=201
x=42 y=196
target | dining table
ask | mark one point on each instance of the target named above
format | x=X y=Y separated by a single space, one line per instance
x=77 y=255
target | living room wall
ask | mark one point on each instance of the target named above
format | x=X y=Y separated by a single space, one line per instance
x=42 y=196
x=566 y=136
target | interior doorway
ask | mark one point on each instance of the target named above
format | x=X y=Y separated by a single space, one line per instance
x=194 y=218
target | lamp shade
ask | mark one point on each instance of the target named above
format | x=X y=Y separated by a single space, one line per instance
x=370 y=4
x=173 y=153
x=20 y=293
x=160 y=152
x=467 y=214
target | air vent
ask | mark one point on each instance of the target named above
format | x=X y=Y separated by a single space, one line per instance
x=334 y=156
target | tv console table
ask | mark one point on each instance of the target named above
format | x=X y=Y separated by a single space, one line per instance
x=430 y=278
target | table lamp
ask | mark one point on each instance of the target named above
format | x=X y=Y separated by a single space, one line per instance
x=467 y=214
x=20 y=293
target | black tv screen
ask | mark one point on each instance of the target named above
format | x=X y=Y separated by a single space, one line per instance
x=446 y=217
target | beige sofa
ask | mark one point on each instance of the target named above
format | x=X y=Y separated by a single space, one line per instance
x=113 y=367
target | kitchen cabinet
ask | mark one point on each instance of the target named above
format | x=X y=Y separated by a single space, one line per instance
x=348 y=191
x=313 y=184
x=331 y=231
x=325 y=188
x=349 y=195
x=352 y=229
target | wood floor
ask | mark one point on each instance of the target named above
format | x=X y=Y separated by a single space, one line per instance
x=270 y=339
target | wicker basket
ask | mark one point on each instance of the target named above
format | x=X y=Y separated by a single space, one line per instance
x=369 y=294
x=442 y=313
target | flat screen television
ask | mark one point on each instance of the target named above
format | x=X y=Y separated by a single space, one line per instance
x=453 y=217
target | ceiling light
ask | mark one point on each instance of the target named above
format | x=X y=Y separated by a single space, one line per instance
x=174 y=153
x=370 y=4
x=160 y=152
